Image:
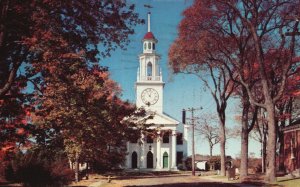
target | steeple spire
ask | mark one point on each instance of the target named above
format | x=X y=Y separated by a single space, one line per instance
x=149 y=21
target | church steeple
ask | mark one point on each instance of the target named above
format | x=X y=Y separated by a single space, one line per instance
x=149 y=95
x=149 y=84
x=149 y=39
x=149 y=21
x=149 y=61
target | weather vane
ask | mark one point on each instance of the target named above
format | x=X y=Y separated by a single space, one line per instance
x=148 y=6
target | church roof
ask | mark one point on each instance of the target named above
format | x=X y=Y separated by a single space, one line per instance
x=149 y=36
x=162 y=119
x=158 y=119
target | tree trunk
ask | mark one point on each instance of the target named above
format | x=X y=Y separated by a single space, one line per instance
x=210 y=150
x=87 y=171
x=77 y=167
x=244 y=138
x=265 y=147
x=4 y=4
x=244 y=151
x=281 y=151
x=271 y=144
x=222 y=148
x=263 y=134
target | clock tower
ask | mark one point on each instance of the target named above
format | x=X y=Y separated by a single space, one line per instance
x=159 y=152
x=149 y=84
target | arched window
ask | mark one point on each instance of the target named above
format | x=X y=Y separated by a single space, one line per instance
x=134 y=160
x=153 y=46
x=149 y=45
x=145 y=46
x=149 y=69
x=149 y=159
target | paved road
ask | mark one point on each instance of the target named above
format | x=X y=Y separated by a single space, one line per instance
x=168 y=181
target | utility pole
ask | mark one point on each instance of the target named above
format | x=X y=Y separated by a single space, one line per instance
x=193 y=142
x=192 y=110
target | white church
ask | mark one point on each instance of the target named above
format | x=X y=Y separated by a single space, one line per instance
x=169 y=147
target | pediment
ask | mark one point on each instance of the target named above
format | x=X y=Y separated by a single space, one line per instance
x=161 y=119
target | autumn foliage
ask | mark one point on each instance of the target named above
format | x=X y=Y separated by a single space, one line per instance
x=256 y=43
x=52 y=88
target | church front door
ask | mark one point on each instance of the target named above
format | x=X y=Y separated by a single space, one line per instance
x=165 y=160
x=149 y=160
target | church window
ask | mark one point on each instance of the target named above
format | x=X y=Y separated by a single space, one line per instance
x=134 y=140
x=149 y=45
x=145 y=46
x=179 y=157
x=166 y=137
x=149 y=69
x=179 y=139
x=149 y=139
x=134 y=136
x=153 y=46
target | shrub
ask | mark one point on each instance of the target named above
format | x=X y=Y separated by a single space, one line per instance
x=33 y=174
x=181 y=167
x=188 y=163
x=9 y=172
x=61 y=172
x=33 y=169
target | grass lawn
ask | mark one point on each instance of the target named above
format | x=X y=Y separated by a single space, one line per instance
x=225 y=178
x=219 y=177
x=281 y=181
x=286 y=182
x=138 y=179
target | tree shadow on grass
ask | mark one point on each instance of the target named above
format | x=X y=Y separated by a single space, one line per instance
x=194 y=184
x=258 y=183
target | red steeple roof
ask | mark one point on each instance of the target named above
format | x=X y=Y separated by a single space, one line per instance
x=149 y=36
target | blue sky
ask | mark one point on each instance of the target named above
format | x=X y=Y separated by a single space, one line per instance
x=180 y=91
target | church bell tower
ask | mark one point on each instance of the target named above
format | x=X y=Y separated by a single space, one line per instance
x=149 y=84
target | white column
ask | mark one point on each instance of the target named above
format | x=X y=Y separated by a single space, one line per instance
x=173 y=150
x=142 y=152
x=128 y=156
x=158 y=151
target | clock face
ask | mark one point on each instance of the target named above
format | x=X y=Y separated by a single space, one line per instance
x=149 y=96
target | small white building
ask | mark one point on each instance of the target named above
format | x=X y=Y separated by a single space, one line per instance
x=169 y=147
